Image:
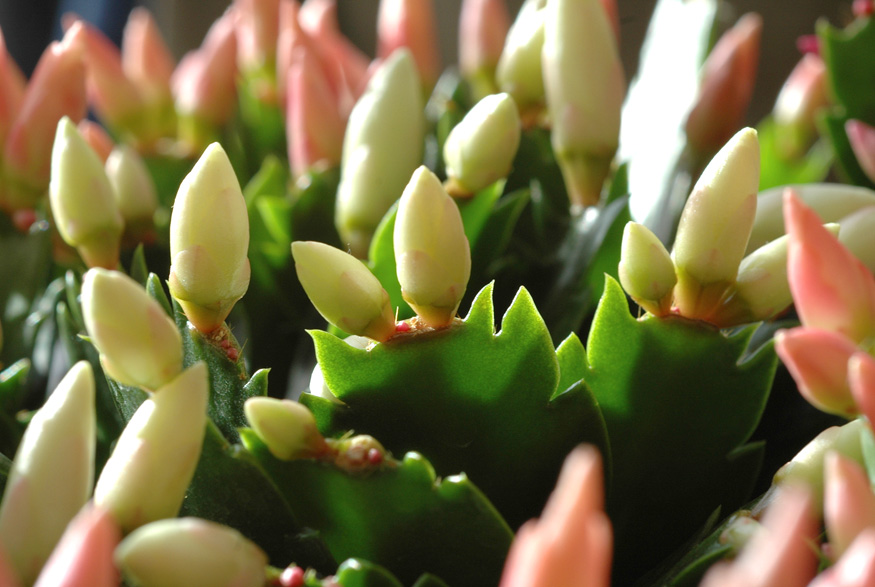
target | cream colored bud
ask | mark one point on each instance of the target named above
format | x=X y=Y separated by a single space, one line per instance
x=519 y=68
x=382 y=146
x=286 y=427
x=343 y=290
x=190 y=551
x=209 y=241
x=132 y=185
x=82 y=200
x=148 y=473
x=432 y=254
x=138 y=342
x=646 y=270
x=52 y=474
x=480 y=149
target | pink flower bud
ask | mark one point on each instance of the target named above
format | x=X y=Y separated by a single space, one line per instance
x=146 y=59
x=84 y=556
x=801 y=97
x=257 y=26
x=818 y=361
x=314 y=127
x=832 y=289
x=56 y=89
x=861 y=378
x=727 y=85
x=483 y=26
x=571 y=544
x=96 y=137
x=12 y=84
x=411 y=24
x=862 y=139
x=848 y=502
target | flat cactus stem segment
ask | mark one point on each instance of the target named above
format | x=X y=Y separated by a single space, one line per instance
x=468 y=398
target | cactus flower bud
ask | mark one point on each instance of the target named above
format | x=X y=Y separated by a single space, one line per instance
x=84 y=556
x=209 y=241
x=715 y=226
x=801 y=97
x=584 y=85
x=190 y=551
x=519 y=69
x=146 y=59
x=861 y=378
x=148 y=473
x=646 y=270
x=480 y=149
x=432 y=254
x=133 y=187
x=483 y=26
x=862 y=139
x=848 y=502
x=410 y=24
x=343 y=290
x=52 y=473
x=139 y=344
x=12 y=85
x=97 y=138
x=286 y=427
x=257 y=27
x=382 y=146
x=82 y=199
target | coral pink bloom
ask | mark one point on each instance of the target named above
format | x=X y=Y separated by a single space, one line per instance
x=314 y=127
x=727 y=85
x=411 y=24
x=56 y=89
x=84 y=556
x=818 y=361
x=861 y=378
x=780 y=553
x=146 y=59
x=856 y=568
x=831 y=288
x=483 y=26
x=571 y=544
x=204 y=83
x=848 y=502
x=12 y=86
x=862 y=139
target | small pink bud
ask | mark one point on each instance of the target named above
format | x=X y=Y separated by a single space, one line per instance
x=314 y=127
x=84 y=556
x=818 y=361
x=411 y=24
x=146 y=59
x=862 y=139
x=863 y=8
x=848 y=502
x=727 y=85
x=832 y=289
x=56 y=89
x=801 y=97
x=483 y=26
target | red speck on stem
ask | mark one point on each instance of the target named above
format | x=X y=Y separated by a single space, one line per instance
x=232 y=353
x=24 y=219
x=808 y=44
x=292 y=577
x=375 y=457
x=863 y=8
x=402 y=327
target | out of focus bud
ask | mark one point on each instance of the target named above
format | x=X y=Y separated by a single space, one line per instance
x=97 y=138
x=84 y=556
x=646 y=270
x=410 y=24
x=343 y=290
x=133 y=189
x=190 y=551
x=862 y=139
x=801 y=97
x=432 y=254
x=848 y=502
x=52 y=473
x=257 y=31
x=861 y=378
x=82 y=200
x=148 y=473
x=12 y=84
x=480 y=149
x=383 y=145
x=146 y=59
x=727 y=85
x=584 y=85
x=715 y=226
x=209 y=241
x=483 y=26
x=286 y=427
x=519 y=69
x=139 y=344
x=56 y=89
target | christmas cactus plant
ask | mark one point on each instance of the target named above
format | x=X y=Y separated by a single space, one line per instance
x=289 y=316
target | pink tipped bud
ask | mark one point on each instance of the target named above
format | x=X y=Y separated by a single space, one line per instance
x=57 y=89
x=848 y=502
x=646 y=270
x=862 y=139
x=84 y=556
x=257 y=32
x=801 y=97
x=571 y=544
x=411 y=24
x=287 y=427
x=727 y=85
x=12 y=84
x=832 y=289
x=146 y=59
x=818 y=361
x=314 y=127
x=96 y=137
x=483 y=26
